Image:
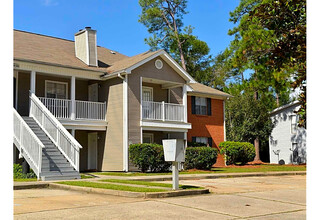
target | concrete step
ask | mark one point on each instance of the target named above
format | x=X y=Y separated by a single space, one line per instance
x=53 y=157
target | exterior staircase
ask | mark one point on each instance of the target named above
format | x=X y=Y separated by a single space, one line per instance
x=54 y=165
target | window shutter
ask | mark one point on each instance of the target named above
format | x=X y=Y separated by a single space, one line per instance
x=194 y=139
x=193 y=105
x=210 y=141
x=208 y=106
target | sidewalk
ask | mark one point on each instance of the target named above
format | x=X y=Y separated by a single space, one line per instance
x=45 y=184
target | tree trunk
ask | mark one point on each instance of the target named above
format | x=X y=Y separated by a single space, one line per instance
x=256 y=141
x=257 y=148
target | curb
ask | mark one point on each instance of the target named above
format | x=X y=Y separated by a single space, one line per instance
x=31 y=186
x=130 y=194
x=217 y=176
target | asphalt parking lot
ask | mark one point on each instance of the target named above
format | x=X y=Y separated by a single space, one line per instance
x=269 y=197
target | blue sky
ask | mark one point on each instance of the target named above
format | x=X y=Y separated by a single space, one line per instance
x=116 y=21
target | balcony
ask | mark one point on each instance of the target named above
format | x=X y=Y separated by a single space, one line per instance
x=163 y=111
x=81 y=110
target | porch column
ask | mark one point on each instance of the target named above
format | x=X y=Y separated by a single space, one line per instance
x=32 y=86
x=184 y=101
x=73 y=98
x=33 y=82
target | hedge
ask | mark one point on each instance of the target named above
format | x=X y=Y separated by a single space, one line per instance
x=237 y=152
x=201 y=158
x=150 y=157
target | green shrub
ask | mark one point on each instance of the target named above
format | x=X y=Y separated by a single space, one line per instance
x=237 y=152
x=17 y=173
x=148 y=157
x=201 y=158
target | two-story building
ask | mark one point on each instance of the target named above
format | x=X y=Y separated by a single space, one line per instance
x=287 y=142
x=78 y=106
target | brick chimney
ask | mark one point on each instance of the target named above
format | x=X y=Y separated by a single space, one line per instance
x=86 y=46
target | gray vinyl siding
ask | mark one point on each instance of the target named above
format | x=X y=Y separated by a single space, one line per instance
x=111 y=91
x=147 y=70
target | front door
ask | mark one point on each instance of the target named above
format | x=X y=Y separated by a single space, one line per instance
x=92 y=150
x=93 y=92
x=147 y=105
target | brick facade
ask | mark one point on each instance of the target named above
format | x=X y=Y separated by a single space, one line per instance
x=208 y=126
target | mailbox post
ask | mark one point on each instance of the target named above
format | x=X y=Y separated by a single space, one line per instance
x=174 y=151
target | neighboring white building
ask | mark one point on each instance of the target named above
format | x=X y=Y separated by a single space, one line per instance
x=287 y=141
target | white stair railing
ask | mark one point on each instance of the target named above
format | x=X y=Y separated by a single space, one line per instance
x=27 y=142
x=65 y=142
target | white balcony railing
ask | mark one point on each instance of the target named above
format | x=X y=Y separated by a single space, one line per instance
x=162 y=111
x=84 y=110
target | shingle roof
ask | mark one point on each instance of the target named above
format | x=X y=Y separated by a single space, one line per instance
x=202 y=89
x=129 y=61
x=41 y=48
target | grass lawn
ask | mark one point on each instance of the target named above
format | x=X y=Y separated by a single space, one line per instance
x=230 y=169
x=83 y=176
x=25 y=180
x=111 y=186
x=147 y=183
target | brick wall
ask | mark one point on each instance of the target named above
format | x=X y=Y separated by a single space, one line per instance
x=208 y=126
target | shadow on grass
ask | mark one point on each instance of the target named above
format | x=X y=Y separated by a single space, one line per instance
x=190 y=187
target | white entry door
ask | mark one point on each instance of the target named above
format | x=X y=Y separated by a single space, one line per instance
x=93 y=92
x=147 y=105
x=92 y=150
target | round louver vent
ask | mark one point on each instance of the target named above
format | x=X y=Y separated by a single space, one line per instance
x=158 y=64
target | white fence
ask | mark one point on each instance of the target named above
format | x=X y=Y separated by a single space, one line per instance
x=27 y=142
x=65 y=142
x=162 y=111
x=84 y=110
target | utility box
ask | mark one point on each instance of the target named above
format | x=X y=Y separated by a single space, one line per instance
x=174 y=150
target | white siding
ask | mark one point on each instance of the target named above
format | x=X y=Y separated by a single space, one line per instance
x=281 y=138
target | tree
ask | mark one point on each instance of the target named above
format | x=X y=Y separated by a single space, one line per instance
x=270 y=39
x=247 y=118
x=163 y=18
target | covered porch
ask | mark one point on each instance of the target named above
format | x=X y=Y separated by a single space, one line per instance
x=73 y=101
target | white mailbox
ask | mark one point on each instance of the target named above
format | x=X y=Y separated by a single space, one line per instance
x=174 y=150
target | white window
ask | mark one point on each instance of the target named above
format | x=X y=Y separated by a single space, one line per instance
x=147 y=138
x=58 y=90
x=203 y=140
x=294 y=122
x=201 y=105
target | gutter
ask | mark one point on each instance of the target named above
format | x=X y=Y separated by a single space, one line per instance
x=58 y=65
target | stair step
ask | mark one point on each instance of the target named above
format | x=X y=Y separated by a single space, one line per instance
x=54 y=165
x=51 y=153
x=59 y=165
x=62 y=177
x=58 y=162
x=58 y=173
x=61 y=169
